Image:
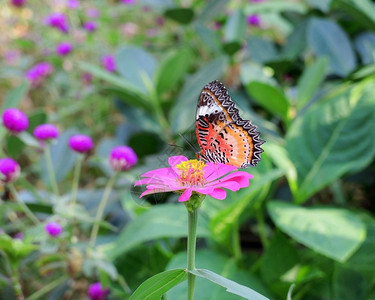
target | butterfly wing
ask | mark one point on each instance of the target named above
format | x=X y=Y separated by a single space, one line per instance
x=222 y=134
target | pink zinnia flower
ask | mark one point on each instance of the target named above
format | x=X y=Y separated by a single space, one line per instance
x=97 y=292
x=187 y=176
x=15 y=120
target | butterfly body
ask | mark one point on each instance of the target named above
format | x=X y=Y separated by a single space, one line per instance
x=222 y=134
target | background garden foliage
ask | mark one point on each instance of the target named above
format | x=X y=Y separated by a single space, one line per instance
x=129 y=73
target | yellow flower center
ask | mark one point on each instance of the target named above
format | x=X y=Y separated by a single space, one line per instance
x=191 y=172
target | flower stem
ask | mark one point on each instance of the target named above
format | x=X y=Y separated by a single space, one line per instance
x=262 y=227
x=47 y=288
x=77 y=173
x=192 y=238
x=24 y=207
x=17 y=285
x=51 y=172
x=102 y=205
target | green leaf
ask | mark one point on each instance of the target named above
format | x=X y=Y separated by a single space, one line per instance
x=332 y=138
x=276 y=7
x=182 y=115
x=167 y=220
x=172 y=69
x=180 y=15
x=14 y=145
x=63 y=158
x=323 y=5
x=209 y=38
x=261 y=50
x=130 y=94
x=326 y=38
x=234 y=31
x=136 y=65
x=333 y=232
x=362 y=11
x=280 y=256
x=156 y=286
x=310 y=80
x=243 y=202
x=231 y=286
x=270 y=97
x=211 y=10
x=296 y=41
x=205 y=289
x=14 y=98
x=365 y=45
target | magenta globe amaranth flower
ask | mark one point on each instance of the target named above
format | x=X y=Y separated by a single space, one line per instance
x=90 y=26
x=97 y=292
x=46 y=132
x=39 y=72
x=9 y=169
x=58 y=21
x=64 y=48
x=253 y=20
x=128 y=1
x=18 y=3
x=53 y=229
x=187 y=176
x=81 y=143
x=15 y=120
x=92 y=13
x=108 y=62
x=122 y=158
x=72 y=4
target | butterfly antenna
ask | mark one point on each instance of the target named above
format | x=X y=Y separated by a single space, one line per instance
x=190 y=144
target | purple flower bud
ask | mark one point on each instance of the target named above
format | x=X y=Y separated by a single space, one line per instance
x=92 y=13
x=9 y=169
x=15 y=120
x=18 y=3
x=72 y=4
x=90 y=26
x=254 y=1
x=19 y=235
x=96 y=291
x=108 y=62
x=46 y=132
x=64 y=48
x=59 y=21
x=53 y=229
x=253 y=20
x=81 y=143
x=122 y=158
x=39 y=72
x=128 y=1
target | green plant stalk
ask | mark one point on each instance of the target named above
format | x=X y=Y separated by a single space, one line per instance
x=262 y=227
x=236 y=244
x=51 y=172
x=47 y=288
x=24 y=207
x=77 y=173
x=16 y=284
x=192 y=238
x=102 y=205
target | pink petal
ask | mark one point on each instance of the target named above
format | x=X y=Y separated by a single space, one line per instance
x=185 y=196
x=155 y=191
x=230 y=185
x=241 y=177
x=163 y=172
x=175 y=160
x=213 y=171
x=154 y=180
x=218 y=194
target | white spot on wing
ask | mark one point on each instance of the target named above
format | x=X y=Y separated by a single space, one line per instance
x=208 y=110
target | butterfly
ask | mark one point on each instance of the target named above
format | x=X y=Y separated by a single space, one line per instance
x=222 y=134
